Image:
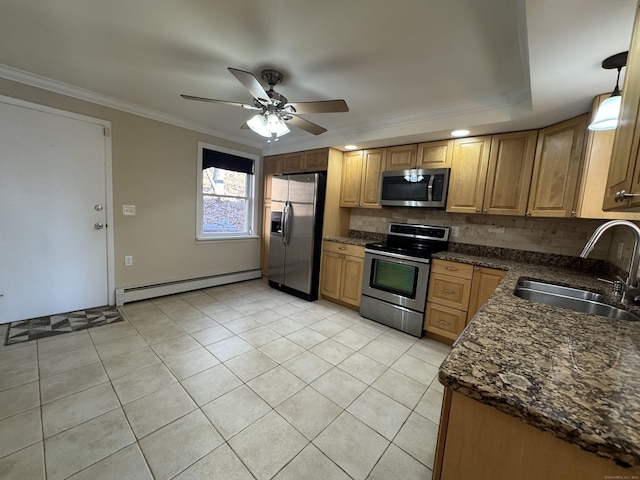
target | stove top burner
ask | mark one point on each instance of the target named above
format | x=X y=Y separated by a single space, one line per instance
x=413 y=240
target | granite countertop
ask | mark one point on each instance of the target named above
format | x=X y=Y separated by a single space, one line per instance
x=348 y=240
x=574 y=375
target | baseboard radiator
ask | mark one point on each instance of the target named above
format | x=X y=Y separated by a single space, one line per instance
x=144 y=292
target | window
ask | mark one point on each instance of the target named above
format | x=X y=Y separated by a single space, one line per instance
x=226 y=200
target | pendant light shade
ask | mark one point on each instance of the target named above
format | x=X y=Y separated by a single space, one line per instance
x=268 y=124
x=608 y=112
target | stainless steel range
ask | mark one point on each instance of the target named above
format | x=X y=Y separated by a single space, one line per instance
x=396 y=275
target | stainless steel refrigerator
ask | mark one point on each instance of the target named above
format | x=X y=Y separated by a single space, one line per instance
x=297 y=209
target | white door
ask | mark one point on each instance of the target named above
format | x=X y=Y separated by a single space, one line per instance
x=53 y=241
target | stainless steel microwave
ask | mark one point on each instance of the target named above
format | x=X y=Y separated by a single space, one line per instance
x=425 y=188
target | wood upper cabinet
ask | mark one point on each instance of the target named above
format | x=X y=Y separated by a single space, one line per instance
x=557 y=168
x=293 y=162
x=468 y=174
x=596 y=163
x=402 y=157
x=424 y=155
x=509 y=173
x=435 y=154
x=624 y=170
x=272 y=166
x=361 y=178
x=316 y=160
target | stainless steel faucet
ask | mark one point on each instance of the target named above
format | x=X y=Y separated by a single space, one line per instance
x=632 y=277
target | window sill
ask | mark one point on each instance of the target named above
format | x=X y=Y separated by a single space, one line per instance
x=230 y=238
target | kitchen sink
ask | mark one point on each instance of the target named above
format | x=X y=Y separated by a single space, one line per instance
x=571 y=298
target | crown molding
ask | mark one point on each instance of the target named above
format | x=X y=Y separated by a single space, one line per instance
x=38 y=81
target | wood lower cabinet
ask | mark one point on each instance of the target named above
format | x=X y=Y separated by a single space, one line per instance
x=478 y=441
x=341 y=275
x=485 y=281
x=556 y=170
x=456 y=293
x=361 y=172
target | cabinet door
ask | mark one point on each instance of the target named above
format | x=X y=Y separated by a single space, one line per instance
x=351 y=179
x=272 y=166
x=509 y=173
x=316 y=160
x=450 y=291
x=293 y=162
x=351 y=280
x=445 y=321
x=485 y=281
x=372 y=165
x=556 y=169
x=402 y=157
x=624 y=160
x=435 y=154
x=468 y=174
x=331 y=275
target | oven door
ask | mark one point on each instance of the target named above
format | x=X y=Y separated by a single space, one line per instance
x=396 y=279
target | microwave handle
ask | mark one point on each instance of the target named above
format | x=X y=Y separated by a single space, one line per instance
x=430 y=188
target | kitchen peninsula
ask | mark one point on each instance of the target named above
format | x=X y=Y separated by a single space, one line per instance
x=525 y=381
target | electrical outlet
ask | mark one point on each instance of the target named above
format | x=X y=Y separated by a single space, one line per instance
x=455 y=231
x=128 y=260
x=620 y=250
x=129 y=210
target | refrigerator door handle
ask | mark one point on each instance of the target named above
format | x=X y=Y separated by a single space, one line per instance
x=286 y=225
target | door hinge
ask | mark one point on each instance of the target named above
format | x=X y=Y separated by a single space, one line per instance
x=107 y=132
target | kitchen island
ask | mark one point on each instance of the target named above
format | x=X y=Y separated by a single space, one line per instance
x=541 y=378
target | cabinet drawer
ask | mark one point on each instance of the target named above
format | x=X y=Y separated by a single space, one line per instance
x=344 y=248
x=444 y=321
x=451 y=291
x=455 y=269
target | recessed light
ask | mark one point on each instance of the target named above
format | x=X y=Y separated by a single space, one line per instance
x=350 y=147
x=460 y=133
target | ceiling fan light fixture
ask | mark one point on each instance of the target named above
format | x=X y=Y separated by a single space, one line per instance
x=268 y=125
x=608 y=112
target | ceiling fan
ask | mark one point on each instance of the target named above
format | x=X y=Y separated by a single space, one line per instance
x=275 y=111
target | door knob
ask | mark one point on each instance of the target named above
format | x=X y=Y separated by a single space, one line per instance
x=98 y=226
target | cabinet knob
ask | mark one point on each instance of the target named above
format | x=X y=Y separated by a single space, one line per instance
x=621 y=195
x=477 y=209
x=528 y=214
x=485 y=210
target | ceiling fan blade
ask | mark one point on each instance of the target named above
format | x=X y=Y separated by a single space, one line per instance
x=224 y=102
x=252 y=84
x=324 y=106
x=305 y=125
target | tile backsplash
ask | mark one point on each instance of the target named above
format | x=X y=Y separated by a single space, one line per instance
x=562 y=236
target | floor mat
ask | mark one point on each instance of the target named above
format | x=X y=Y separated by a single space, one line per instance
x=25 y=330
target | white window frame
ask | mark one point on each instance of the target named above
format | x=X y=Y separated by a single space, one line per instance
x=252 y=220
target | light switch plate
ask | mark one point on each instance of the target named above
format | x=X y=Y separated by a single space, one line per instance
x=128 y=210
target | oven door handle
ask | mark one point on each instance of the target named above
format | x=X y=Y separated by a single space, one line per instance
x=399 y=256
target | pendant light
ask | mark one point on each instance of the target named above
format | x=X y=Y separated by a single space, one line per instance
x=609 y=110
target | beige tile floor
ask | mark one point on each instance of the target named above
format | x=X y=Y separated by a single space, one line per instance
x=232 y=382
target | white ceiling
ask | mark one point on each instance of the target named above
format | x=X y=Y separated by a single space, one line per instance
x=410 y=70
